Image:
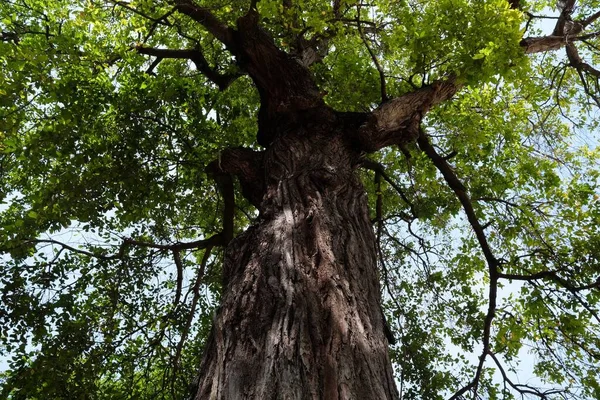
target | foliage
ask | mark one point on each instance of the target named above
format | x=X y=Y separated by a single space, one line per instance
x=102 y=178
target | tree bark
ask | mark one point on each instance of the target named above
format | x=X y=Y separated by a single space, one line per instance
x=300 y=316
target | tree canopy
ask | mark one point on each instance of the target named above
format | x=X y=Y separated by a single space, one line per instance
x=112 y=227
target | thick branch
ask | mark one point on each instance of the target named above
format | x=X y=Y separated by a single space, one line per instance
x=542 y=44
x=202 y=15
x=396 y=121
x=309 y=52
x=565 y=31
x=179 y=266
x=565 y=19
x=306 y=52
x=587 y=21
x=577 y=62
x=550 y=43
x=246 y=164
x=284 y=84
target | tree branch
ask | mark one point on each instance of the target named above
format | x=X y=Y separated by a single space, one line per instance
x=565 y=19
x=587 y=21
x=126 y=5
x=461 y=193
x=203 y=16
x=565 y=31
x=305 y=51
x=551 y=275
x=521 y=388
x=179 y=266
x=221 y=80
x=196 y=295
x=65 y=246
x=379 y=169
x=577 y=62
x=215 y=240
x=246 y=164
x=382 y=85
x=309 y=52
x=541 y=44
x=9 y=37
x=160 y=21
x=397 y=120
x=584 y=70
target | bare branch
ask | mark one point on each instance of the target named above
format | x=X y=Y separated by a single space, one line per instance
x=523 y=389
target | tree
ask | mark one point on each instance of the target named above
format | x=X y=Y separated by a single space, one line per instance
x=299 y=200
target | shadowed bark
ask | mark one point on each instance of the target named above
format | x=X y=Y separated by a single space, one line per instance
x=300 y=316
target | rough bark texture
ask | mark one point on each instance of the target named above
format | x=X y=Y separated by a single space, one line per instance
x=542 y=44
x=300 y=316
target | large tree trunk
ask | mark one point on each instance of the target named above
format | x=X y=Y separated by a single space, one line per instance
x=300 y=315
